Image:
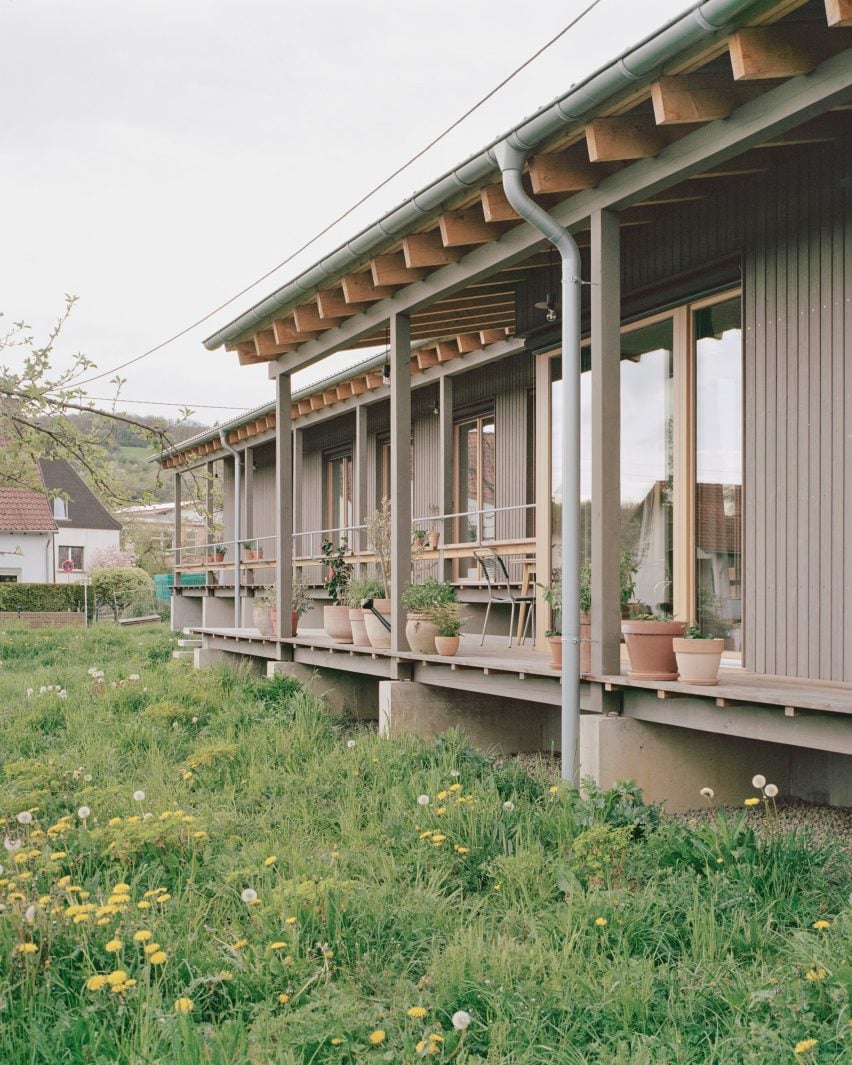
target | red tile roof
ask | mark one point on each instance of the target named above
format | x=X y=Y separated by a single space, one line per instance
x=23 y=510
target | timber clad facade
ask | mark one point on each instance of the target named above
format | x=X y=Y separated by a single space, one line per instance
x=715 y=421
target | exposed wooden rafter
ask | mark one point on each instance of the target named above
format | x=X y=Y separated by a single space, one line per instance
x=392 y=270
x=307 y=318
x=360 y=288
x=427 y=249
x=624 y=137
x=689 y=98
x=760 y=52
x=460 y=228
x=838 y=12
x=562 y=172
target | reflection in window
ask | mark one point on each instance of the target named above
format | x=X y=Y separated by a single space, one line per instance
x=339 y=513
x=476 y=483
x=718 y=468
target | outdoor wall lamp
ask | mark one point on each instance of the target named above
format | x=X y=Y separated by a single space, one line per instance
x=386 y=370
x=549 y=305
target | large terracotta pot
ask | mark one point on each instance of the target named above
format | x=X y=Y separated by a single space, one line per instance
x=380 y=637
x=698 y=660
x=335 y=621
x=447 y=645
x=585 y=643
x=421 y=633
x=359 y=629
x=649 y=645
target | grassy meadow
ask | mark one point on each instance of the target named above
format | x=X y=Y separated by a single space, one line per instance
x=204 y=867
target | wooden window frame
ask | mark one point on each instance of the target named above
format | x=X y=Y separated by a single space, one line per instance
x=330 y=457
x=465 y=419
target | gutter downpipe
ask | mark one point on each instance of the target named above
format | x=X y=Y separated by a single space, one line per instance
x=511 y=162
x=223 y=439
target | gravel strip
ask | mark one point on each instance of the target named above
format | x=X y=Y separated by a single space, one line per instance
x=825 y=823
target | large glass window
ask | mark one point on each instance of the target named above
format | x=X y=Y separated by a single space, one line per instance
x=476 y=483
x=718 y=470
x=339 y=505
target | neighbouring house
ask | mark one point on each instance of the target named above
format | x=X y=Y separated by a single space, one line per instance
x=157 y=522
x=706 y=177
x=27 y=530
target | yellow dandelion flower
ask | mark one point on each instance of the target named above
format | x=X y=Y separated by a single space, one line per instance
x=328 y=953
x=184 y=1005
x=553 y=789
x=117 y=976
x=438 y=838
x=151 y=948
x=442 y=795
x=161 y=898
x=336 y=1041
x=143 y=905
x=142 y=936
x=377 y=1037
x=751 y=802
x=240 y=943
x=426 y=834
x=271 y=860
x=79 y=918
x=804 y=1045
x=277 y=946
x=496 y=886
x=461 y=850
x=417 y=1012
x=96 y=982
x=113 y=821
x=199 y=835
x=290 y=920
x=57 y=856
x=601 y=922
x=821 y=925
x=114 y=946
x=26 y=948
x=440 y=810
x=121 y=888
x=815 y=974
x=283 y=999
x=454 y=787
x=158 y=958
x=101 y=921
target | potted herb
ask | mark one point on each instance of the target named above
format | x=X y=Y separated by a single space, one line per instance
x=378 y=527
x=699 y=656
x=219 y=553
x=337 y=574
x=301 y=601
x=356 y=592
x=552 y=595
x=419 y=600
x=251 y=551
x=435 y=530
x=418 y=539
x=649 y=645
x=447 y=619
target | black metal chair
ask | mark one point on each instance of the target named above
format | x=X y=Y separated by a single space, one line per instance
x=500 y=590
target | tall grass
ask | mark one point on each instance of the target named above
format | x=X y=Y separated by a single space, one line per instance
x=570 y=928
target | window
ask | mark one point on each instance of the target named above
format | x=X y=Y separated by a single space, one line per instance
x=72 y=554
x=476 y=480
x=338 y=495
x=383 y=446
x=9 y=576
x=60 y=509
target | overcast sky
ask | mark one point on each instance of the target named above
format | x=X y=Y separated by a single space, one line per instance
x=158 y=157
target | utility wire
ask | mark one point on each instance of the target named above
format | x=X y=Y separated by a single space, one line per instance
x=355 y=206
x=118 y=400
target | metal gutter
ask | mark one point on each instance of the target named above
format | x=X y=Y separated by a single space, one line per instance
x=701 y=21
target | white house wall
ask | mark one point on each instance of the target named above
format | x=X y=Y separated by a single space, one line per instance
x=91 y=540
x=34 y=564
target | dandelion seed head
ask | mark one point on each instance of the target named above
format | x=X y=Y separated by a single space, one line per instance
x=758 y=781
x=422 y=800
x=248 y=895
x=707 y=793
x=508 y=806
x=771 y=790
x=461 y=1020
x=84 y=812
x=24 y=817
x=139 y=796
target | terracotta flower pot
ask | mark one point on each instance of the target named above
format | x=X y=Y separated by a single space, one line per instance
x=447 y=645
x=359 y=629
x=555 y=643
x=698 y=660
x=219 y=556
x=380 y=637
x=434 y=540
x=421 y=633
x=249 y=555
x=649 y=646
x=335 y=621
x=294 y=623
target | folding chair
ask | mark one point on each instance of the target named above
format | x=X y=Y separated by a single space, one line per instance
x=500 y=590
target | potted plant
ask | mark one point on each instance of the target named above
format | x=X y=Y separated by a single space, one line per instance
x=418 y=538
x=552 y=595
x=586 y=617
x=435 y=529
x=219 y=553
x=250 y=551
x=698 y=656
x=357 y=591
x=335 y=616
x=627 y=572
x=418 y=600
x=264 y=613
x=447 y=619
x=378 y=527
x=649 y=645
x=301 y=601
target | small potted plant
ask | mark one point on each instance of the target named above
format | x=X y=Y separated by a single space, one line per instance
x=378 y=528
x=435 y=528
x=447 y=619
x=338 y=571
x=649 y=646
x=586 y=617
x=418 y=539
x=699 y=656
x=356 y=592
x=250 y=551
x=301 y=601
x=419 y=600
x=552 y=595
x=627 y=572
x=264 y=613
x=219 y=553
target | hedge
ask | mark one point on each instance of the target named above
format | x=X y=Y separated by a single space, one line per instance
x=27 y=597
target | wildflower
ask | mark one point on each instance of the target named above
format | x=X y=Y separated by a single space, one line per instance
x=758 y=781
x=553 y=789
x=139 y=796
x=455 y=773
x=290 y=920
x=442 y=795
x=350 y=744
x=751 y=802
x=508 y=806
x=815 y=974
x=422 y=800
x=336 y=1041
x=133 y=676
x=184 y=1005
x=248 y=895
x=29 y=914
x=417 y=1012
x=461 y=850
x=118 y=976
x=96 y=982
x=771 y=790
x=440 y=810
x=271 y=860
x=377 y=1037
x=84 y=812
x=151 y=948
x=601 y=922
x=27 y=948
x=24 y=817
x=821 y=925
x=804 y=1045
x=240 y=943
x=461 y=1020
x=283 y=999
x=12 y=845
x=159 y=957
x=143 y=905
x=114 y=946
x=496 y=886
x=438 y=838
x=279 y=945
x=707 y=793
x=455 y=787
x=160 y=898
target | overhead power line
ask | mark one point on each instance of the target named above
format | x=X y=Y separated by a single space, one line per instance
x=162 y=403
x=341 y=217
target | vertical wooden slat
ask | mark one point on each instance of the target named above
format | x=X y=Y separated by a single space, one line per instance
x=400 y=390
x=445 y=461
x=284 y=503
x=777 y=286
x=606 y=415
x=841 y=444
x=824 y=224
x=790 y=489
x=812 y=310
x=360 y=475
x=844 y=284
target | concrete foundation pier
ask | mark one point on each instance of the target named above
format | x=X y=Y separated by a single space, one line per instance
x=344 y=693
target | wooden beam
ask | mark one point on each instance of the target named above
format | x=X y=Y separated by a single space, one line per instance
x=469 y=342
x=427 y=249
x=286 y=332
x=391 y=270
x=623 y=137
x=447 y=351
x=248 y=356
x=374 y=380
x=495 y=205
x=358 y=386
x=344 y=390
x=427 y=357
x=562 y=172
x=492 y=336
x=838 y=12
x=266 y=344
x=305 y=406
x=460 y=228
x=359 y=288
x=316 y=402
x=691 y=98
x=329 y=396
x=307 y=319
x=761 y=52
x=331 y=304
x=294 y=410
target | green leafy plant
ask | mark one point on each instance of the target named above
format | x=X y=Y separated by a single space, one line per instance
x=448 y=618
x=338 y=570
x=586 y=587
x=363 y=588
x=378 y=528
x=301 y=599
x=552 y=595
x=627 y=569
x=694 y=633
x=250 y=545
x=418 y=598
